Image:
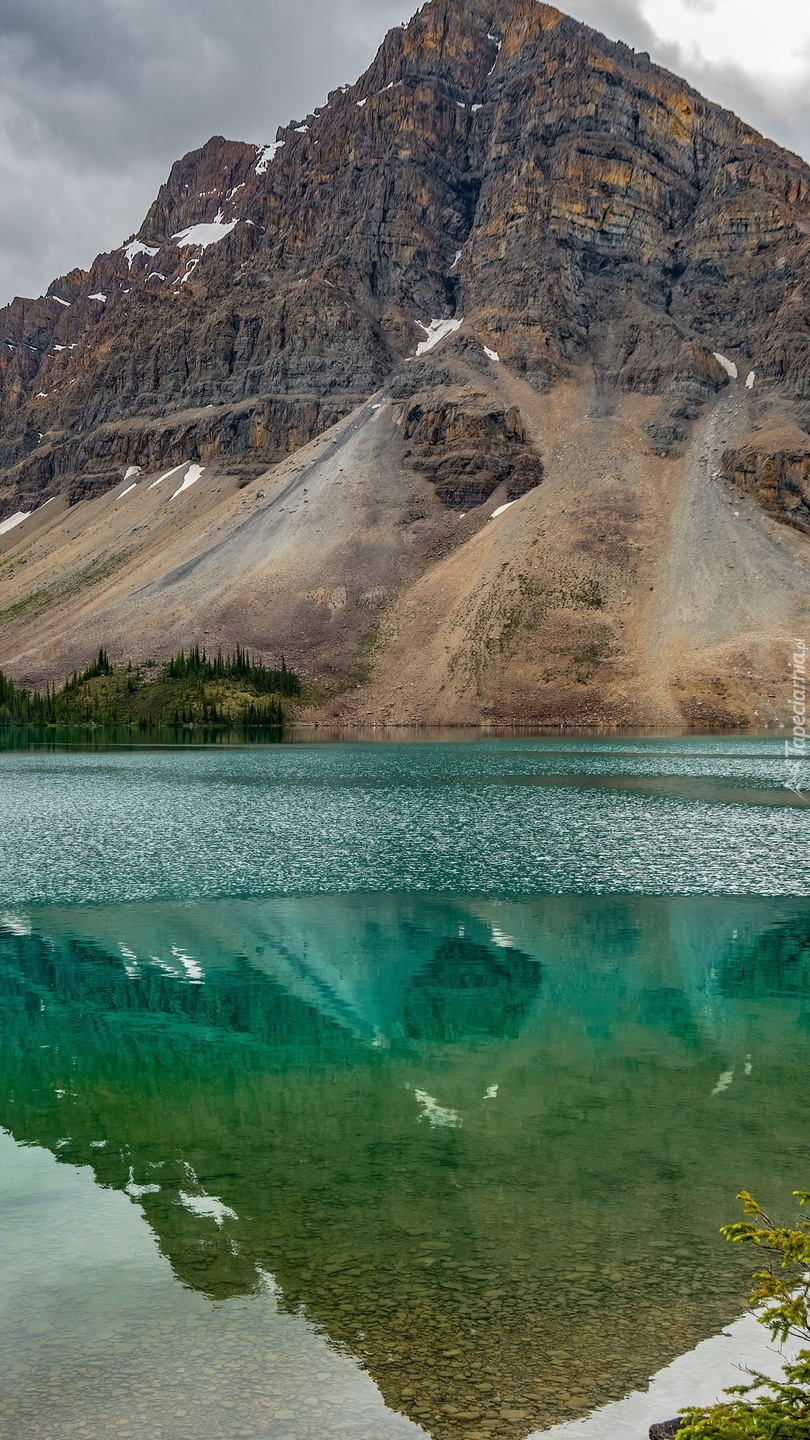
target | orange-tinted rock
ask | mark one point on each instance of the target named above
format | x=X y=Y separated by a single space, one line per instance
x=777 y=475
x=467 y=448
x=498 y=161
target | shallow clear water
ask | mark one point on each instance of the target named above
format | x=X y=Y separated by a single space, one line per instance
x=423 y=1147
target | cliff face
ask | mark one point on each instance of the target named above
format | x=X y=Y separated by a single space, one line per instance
x=775 y=469
x=575 y=204
x=491 y=383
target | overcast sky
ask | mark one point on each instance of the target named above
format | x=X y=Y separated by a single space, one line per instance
x=98 y=97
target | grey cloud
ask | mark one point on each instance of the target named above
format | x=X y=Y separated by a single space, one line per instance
x=99 y=97
x=780 y=112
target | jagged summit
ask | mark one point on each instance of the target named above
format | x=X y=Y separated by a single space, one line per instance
x=612 y=250
x=496 y=160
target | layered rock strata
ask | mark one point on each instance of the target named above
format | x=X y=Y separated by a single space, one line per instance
x=498 y=162
x=777 y=474
x=467 y=447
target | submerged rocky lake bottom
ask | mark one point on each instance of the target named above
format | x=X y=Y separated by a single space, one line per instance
x=387 y=1089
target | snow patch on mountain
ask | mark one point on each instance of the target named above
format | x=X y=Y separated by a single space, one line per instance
x=205 y=234
x=266 y=154
x=435 y=331
x=167 y=473
x=137 y=247
x=191 y=477
x=728 y=365
x=13 y=521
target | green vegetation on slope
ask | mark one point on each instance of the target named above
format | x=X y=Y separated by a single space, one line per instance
x=768 y=1409
x=190 y=689
x=237 y=667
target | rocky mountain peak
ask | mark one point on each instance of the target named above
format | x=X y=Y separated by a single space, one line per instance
x=481 y=392
x=200 y=186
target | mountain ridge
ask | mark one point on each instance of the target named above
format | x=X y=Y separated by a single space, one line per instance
x=397 y=265
x=512 y=239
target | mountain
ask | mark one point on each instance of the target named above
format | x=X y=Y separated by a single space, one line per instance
x=516 y=264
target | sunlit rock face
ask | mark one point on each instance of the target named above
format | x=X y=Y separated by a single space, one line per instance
x=775 y=469
x=498 y=162
x=485 y=1146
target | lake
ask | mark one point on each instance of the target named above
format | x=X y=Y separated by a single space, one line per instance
x=381 y=1089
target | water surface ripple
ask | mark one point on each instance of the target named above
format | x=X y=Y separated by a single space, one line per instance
x=521 y=817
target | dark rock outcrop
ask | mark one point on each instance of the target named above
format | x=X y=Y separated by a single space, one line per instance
x=777 y=474
x=265 y=429
x=467 y=447
x=666 y=1430
x=499 y=162
x=666 y=435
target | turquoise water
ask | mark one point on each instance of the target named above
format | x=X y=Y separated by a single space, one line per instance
x=335 y=1096
x=504 y=817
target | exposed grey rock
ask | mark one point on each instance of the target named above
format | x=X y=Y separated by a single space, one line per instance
x=665 y=1430
x=574 y=203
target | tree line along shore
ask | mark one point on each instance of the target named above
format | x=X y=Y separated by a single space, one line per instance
x=228 y=691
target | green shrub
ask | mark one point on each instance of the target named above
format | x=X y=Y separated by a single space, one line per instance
x=768 y=1409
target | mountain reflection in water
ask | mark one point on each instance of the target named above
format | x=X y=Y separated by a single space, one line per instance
x=483 y=1145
